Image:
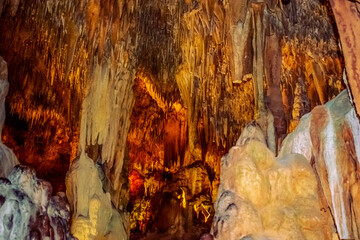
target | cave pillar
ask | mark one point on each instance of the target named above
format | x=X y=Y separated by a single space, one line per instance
x=272 y=63
x=257 y=10
x=262 y=114
x=193 y=118
x=347 y=17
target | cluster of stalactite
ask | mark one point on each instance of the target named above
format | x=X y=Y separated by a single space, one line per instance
x=297 y=52
x=57 y=52
x=312 y=62
x=53 y=143
x=161 y=164
x=213 y=56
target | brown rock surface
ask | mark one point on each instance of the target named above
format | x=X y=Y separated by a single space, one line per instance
x=347 y=16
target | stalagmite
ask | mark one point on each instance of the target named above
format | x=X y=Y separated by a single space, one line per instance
x=264 y=197
x=92 y=213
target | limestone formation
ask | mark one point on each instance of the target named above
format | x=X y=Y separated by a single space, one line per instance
x=29 y=211
x=7 y=158
x=86 y=47
x=263 y=197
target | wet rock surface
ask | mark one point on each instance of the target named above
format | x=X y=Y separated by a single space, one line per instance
x=29 y=211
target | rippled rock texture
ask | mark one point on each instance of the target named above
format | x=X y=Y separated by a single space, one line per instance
x=263 y=197
x=29 y=211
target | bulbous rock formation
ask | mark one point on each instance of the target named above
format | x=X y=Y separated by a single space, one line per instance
x=92 y=212
x=263 y=197
x=28 y=211
x=329 y=137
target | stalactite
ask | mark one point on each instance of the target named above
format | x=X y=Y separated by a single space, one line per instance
x=257 y=12
x=242 y=44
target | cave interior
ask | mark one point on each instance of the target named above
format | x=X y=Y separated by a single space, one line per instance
x=179 y=119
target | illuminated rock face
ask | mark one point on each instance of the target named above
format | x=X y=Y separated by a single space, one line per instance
x=7 y=158
x=196 y=53
x=27 y=209
x=263 y=197
x=329 y=138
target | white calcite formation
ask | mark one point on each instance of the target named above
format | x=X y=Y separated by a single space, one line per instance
x=93 y=216
x=329 y=138
x=27 y=209
x=263 y=197
x=7 y=158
